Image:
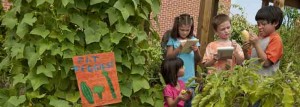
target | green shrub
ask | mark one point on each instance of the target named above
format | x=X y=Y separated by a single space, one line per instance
x=48 y=33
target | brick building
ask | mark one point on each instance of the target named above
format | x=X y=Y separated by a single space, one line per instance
x=172 y=8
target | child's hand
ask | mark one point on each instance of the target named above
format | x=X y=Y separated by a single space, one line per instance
x=186 y=94
x=216 y=57
x=253 y=38
x=234 y=44
x=182 y=96
x=194 y=48
x=246 y=46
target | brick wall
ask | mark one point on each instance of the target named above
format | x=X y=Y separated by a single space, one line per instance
x=172 y=8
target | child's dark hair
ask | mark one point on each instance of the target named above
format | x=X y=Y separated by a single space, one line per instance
x=169 y=69
x=183 y=19
x=271 y=14
x=219 y=19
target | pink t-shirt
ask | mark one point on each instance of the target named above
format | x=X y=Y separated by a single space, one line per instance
x=172 y=92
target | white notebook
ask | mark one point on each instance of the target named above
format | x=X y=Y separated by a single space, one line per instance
x=225 y=52
x=187 y=47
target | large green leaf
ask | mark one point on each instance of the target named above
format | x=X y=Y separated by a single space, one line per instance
x=126 y=88
x=113 y=15
x=130 y=9
x=16 y=101
x=32 y=60
x=155 y=7
x=146 y=99
x=139 y=82
x=29 y=19
x=10 y=22
x=92 y=2
x=123 y=27
x=120 y=5
x=66 y=2
x=126 y=62
x=102 y=28
x=146 y=11
x=44 y=70
x=59 y=103
x=44 y=45
x=38 y=80
x=91 y=35
x=73 y=96
x=22 y=30
x=139 y=59
x=56 y=50
x=34 y=94
x=17 y=50
x=67 y=45
x=77 y=19
x=50 y=1
x=41 y=31
x=141 y=35
x=116 y=37
x=135 y=3
x=71 y=36
x=136 y=69
x=4 y=63
x=106 y=44
x=39 y=2
x=68 y=54
x=118 y=55
x=19 y=78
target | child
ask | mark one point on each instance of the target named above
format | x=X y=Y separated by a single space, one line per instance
x=183 y=30
x=222 y=27
x=267 y=45
x=171 y=70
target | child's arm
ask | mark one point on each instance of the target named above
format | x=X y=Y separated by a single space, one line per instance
x=210 y=62
x=196 y=53
x=171 y=52
x=254 y=40
x=173 y=102
x=209 y=58
x=262 y=55
x=246 y=47
x=238 y=53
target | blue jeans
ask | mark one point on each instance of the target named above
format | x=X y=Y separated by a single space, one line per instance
x=257 y=104
x=188 y=103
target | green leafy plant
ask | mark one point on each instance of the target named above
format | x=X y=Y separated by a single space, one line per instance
x=42 y=36
x=243 y=87
x=289 y=32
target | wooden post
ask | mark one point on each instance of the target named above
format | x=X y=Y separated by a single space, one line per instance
x=205 y=32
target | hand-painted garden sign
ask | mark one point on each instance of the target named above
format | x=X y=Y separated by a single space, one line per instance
x=97 y=79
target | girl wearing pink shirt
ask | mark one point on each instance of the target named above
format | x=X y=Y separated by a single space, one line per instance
x=171 y=69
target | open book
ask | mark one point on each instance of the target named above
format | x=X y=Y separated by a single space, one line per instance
x=225 y=52
x=187 y=47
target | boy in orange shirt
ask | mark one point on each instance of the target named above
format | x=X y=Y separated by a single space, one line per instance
x=222 y=27
x=267 y=46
